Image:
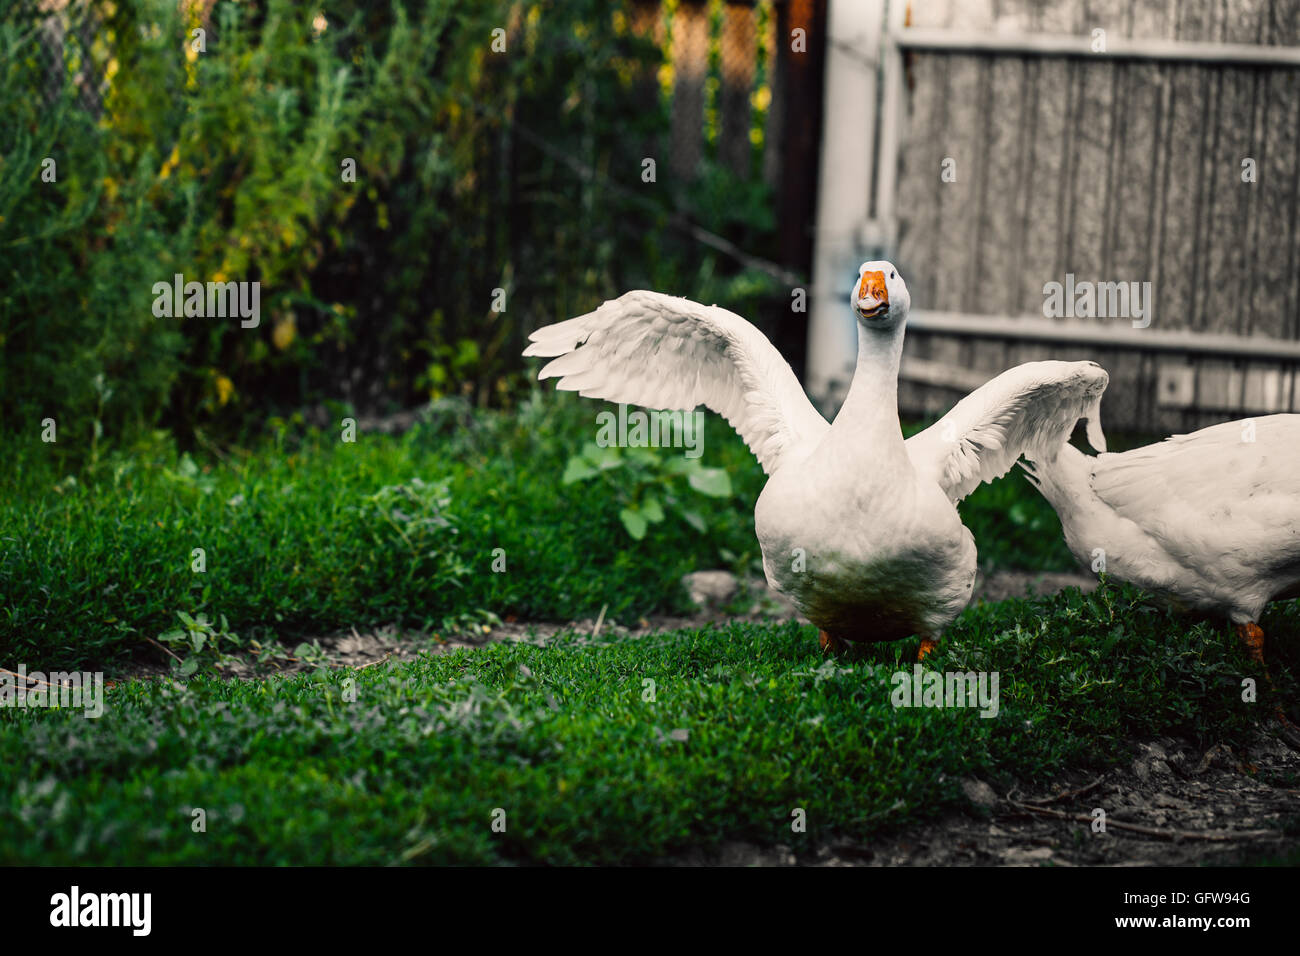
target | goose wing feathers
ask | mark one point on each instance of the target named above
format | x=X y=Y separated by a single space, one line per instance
x=1232 y=462
x=661 y=351
x=1030 y=409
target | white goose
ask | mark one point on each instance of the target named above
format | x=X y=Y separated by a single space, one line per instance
x=1209 y=521
x=857 y=525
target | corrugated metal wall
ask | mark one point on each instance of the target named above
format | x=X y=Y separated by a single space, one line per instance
x=1111 y=170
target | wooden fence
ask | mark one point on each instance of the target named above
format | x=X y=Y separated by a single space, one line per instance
x=1170 y=156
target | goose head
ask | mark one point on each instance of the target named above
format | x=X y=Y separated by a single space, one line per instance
x=880 y=296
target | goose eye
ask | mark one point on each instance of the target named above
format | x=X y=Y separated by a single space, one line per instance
x=891 y=275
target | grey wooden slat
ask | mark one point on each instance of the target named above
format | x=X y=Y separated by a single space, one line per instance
x=919 y=187
x=1277 y=198
x=1221 y=264
x=997 y=251
x=1080 y=46
x=960 y=139
x=1110 y=123
x=1251 y=209
x=1260 y=11
x=1122 y=404
x=1091 y=333
x=1093 y=148
x=979 y=287
x=1136 y=184
x=933 y=178
x=1020 y=105
x=1177 y=281
x=1197 y=22
x=1043 y=225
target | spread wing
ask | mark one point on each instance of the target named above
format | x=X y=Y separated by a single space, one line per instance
x=661 y=351
x=1030 y=409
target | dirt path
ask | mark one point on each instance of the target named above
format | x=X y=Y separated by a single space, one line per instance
x=353 y=648
x=1224 y=806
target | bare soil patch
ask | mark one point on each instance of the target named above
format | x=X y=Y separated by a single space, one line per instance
x=1171 y=805
x=353 y=648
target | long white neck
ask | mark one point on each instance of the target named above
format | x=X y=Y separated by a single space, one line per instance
x=870 y=411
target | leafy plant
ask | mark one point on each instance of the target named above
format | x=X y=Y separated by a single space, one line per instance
x=647 y=484
x=415 y=511
x=204 y=641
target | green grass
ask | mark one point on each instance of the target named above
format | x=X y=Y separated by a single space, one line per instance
x=313 y=534
x=305 y=533
x=748 y=723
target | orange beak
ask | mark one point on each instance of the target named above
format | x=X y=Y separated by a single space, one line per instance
x=873 y=297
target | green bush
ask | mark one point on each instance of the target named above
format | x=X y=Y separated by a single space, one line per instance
x=227 y=165
x=78 y=342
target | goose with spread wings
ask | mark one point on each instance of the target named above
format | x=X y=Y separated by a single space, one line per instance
x=859 y=527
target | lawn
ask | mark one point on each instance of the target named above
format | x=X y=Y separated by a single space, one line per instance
x=625 y=748
x=742 y=725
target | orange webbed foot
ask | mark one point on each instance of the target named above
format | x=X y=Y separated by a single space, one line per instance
x=1252 y=635
x=830 y=644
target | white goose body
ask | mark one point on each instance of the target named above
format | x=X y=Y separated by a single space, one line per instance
x=1210 y=521
x=858 y=526
x=865 y=548
x=866 y=562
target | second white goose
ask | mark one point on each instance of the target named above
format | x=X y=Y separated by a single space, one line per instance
x=1208 y=521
